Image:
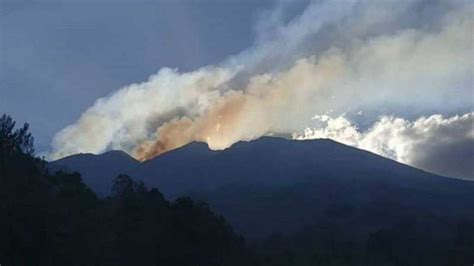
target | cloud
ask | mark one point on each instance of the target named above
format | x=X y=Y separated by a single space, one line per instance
x=130 y=116
x=343 y=56
x=442 y=145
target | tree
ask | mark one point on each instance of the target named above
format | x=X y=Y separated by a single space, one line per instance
x=15 y=141
x=123 y=186
x=16 y=154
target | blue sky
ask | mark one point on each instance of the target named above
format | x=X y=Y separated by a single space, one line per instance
x=392 y=77
x=58 y=57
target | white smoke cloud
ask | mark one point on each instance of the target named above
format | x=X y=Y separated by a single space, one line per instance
x=341 y=56
x=443 y=145
x=124 y=119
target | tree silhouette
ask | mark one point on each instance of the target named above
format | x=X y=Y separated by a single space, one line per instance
x=55 y=219
x=123 y=186
x=15 y=141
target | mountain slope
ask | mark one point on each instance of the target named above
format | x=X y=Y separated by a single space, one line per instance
x=97 y=170
x=274 y=161
x=277 y=185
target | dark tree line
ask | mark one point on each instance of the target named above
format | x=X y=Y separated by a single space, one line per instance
x=410 y=242
x=54 y=219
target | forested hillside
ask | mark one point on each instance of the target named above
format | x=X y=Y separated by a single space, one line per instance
x=55 y=219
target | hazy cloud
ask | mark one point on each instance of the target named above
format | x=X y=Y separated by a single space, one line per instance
x=339 y=56
x=443 y=145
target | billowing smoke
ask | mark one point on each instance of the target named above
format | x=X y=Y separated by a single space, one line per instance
x=342 y=56
x=435 y=143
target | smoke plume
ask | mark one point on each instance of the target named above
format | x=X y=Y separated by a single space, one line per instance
x=341 y=56
x=443 y=145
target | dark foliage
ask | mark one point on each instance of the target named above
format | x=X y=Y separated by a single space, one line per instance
x=414 y=241
x=54 y=219
x=342 y=230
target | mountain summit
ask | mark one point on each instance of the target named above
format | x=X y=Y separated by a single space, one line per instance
x=277 y=185
x=268 y=160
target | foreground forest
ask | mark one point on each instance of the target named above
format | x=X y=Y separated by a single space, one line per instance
x=53 y=218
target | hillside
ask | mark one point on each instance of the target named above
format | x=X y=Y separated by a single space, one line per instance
x=97 y=171
x=277 y=185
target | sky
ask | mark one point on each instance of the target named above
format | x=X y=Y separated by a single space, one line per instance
x=392 y=77
x=58 y=57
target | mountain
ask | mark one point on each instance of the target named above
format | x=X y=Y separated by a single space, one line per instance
x=97 y=171
x=277 y=185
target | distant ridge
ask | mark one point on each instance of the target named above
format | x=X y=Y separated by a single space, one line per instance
x=278 y=185
x=97 y=170
x=192 y=166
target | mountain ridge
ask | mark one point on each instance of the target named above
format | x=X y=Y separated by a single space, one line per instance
x=203 y=147
x=277 y=185
x=199 y=151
